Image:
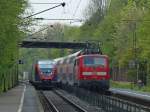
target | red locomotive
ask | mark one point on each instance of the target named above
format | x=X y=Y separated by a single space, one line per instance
x=43 y=73
x=84 y=69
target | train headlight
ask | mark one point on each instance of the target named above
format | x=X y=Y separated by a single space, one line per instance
x=87 y=73
x=101 y=73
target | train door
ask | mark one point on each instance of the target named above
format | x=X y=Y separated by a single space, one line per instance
x=70 y=71
x=76 y=71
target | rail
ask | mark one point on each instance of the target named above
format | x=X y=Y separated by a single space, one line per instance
x=53 y=101
x=47 y=104
x=80 y=109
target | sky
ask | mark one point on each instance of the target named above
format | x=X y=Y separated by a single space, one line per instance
x=73 y=9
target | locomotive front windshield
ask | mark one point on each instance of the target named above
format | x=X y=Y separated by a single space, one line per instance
x=94 y=61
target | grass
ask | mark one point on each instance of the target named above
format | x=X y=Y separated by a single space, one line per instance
x=129 y=85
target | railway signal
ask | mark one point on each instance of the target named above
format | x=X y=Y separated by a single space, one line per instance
x=20 y=62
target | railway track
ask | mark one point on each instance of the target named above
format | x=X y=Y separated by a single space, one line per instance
x=52 y=101
x=47 y=106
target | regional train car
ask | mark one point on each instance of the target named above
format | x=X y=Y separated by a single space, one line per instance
x=85 y=70
x=44 y=73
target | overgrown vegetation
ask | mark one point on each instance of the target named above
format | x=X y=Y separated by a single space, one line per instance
x=10 y=31
x=129 y=85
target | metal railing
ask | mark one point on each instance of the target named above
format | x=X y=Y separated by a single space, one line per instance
x=8 y=79
x=106 y=103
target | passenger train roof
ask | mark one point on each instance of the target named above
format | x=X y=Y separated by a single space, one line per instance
x=45 y=62
x=69 y=56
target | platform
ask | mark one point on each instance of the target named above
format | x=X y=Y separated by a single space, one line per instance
x=22 y=98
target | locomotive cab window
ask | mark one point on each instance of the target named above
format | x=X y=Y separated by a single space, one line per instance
x=94 y=61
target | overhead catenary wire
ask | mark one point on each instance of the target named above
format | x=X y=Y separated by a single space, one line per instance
x=62 y=4
x=63 y=19
x=78 y=5
x=63 y=12
x=44 y=3
x=69 y=3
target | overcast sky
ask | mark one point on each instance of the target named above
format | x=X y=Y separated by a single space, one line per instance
x=73 y=9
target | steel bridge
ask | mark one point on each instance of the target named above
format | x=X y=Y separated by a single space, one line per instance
x=90 y=46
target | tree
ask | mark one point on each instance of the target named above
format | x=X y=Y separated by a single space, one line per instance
x=10 y=32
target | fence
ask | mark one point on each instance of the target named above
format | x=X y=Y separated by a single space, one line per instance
x=131 y=73
x=8 y=79
x=106 y=103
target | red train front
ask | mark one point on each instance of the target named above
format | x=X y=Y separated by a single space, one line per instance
x=92 y=71
x=86 y=70
x=44 y=70
x=44 y=73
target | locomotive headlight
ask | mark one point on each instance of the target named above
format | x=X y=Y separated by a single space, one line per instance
x=87 y=73
x=101 y=73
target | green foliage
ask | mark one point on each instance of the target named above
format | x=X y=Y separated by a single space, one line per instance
x=10 y=32
x=71 y=33
x=129 y=85
x=122 y=85
x=131 y=74
x=7 y=79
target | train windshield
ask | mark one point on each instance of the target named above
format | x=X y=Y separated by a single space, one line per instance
x=46 y=70
x=46 y=65
x=94 y=61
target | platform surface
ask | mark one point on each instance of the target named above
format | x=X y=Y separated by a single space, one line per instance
x=22 y=98
x=31 y=101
